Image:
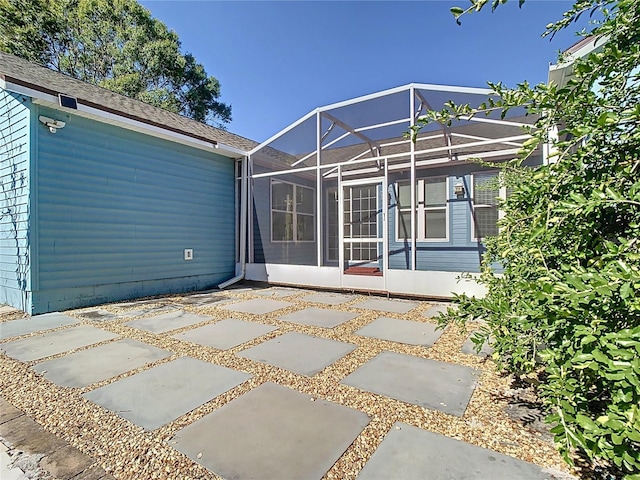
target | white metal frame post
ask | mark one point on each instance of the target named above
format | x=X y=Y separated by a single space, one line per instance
x=412 y=106
x=250 y=209
x=385 y=225
x=340 y=226
x=319 y=236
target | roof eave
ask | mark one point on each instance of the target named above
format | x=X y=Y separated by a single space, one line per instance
x=47 y=97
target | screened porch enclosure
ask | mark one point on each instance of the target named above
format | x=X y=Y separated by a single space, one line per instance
x=344 y=198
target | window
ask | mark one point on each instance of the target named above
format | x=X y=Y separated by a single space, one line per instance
x=432 y=219
x=292 y=212
x=486 y=192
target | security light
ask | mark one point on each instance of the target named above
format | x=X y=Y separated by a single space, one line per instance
x=53 y=125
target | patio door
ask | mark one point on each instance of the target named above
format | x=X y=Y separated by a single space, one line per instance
x=363 y=228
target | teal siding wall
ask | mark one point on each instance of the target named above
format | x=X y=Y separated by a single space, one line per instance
x=15 y=125
x=116 y=210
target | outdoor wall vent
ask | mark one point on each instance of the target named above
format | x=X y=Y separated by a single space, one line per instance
x=67 y=101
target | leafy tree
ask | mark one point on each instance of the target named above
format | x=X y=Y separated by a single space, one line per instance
x=116 y=44
x=566 y=308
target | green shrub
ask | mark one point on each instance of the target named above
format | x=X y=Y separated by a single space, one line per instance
x=567 y=305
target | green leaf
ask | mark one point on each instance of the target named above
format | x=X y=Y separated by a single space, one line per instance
x=607 y=118
x=456 y=11
x=586 y=422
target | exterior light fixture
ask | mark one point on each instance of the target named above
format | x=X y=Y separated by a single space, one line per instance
x=458 y=189
x=53 y=125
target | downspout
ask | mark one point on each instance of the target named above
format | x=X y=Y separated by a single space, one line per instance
x=244 y=193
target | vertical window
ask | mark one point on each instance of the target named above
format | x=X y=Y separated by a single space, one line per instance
x=432 y=219
x=292 y=212
x=435 y=208
x=403 y=214
x=486 y=192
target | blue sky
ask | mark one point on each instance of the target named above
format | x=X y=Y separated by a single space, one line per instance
x=278 y=60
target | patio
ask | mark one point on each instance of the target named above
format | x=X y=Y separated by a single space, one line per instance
x=273 y=382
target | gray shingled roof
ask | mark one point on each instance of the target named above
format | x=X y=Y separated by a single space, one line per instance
x=22 y=72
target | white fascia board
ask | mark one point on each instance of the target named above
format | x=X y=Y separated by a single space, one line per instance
x=51 y=101
x=558 y=73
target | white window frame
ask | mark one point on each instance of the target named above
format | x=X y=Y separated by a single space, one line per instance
x=422 y=209
x=294 y=212
x=502 y=195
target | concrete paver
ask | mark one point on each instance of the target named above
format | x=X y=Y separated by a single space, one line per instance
x=8 y=411
x=403 y=331
x=435 y=310
x=99 y=315
x=257 y=306
x=161 y=394
x=431 y=384
x=328 y=298
x=25 y=434
x=299 y=353
x=47 y=344
x=168 y=321
x=383 y=305
x=99 y=363
x=66 y=463
x=319 y=317
x=225 y=334
x=271 y=432
x=205 y=300
x=410 y=453
x=277 y=292
x=469 y=348
x=35 y=324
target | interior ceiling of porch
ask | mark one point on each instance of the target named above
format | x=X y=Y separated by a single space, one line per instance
x=368 y=129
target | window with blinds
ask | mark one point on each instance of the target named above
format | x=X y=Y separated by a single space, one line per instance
x=486 y=191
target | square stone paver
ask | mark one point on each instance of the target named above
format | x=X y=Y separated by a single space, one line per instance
x=402 y=331
x=205 y=299
x=299 y=353
x=99 y=315
x=328 y=298
x=225 y=334
x=96 y=364
x=384 y=305
x=277 y=292
x=34 y=324
x=47 y=344
x=434 y=310
x=427 y=383
x=272 y=432
x=409 y=453
x=257 y=306
x=168 y=321
x=470 y=348
x=161 y=394
x=319 y=317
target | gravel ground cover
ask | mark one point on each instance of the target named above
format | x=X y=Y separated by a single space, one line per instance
x=127 y=451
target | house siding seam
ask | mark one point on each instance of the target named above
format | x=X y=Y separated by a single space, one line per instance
x=15 y=120
x=116 y=210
